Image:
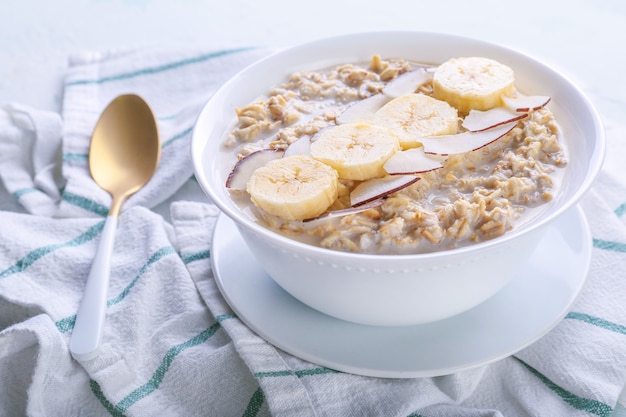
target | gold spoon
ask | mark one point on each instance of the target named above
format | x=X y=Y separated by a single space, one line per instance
x=123 y=156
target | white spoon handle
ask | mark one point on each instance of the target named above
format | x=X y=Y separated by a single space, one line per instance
x=90 y=317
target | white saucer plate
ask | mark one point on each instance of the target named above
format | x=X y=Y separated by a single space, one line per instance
x=535 y=301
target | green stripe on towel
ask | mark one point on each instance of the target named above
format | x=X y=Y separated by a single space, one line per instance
x=177 y=137
x=583 y=404
x=157 y=69
x=223 y=317
x=86 y=204
x=97 y=391
x=67 y=324
x=39 y=253
x=192 y=257
x=75 y=157
x=608 y=245
x=143 y=391
x=299 y=374
x=23 y=191
x=156 y=256
x=597 y=321
x=158 y=375
x=255 y=404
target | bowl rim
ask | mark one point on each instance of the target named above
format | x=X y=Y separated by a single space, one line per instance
x=198 y=144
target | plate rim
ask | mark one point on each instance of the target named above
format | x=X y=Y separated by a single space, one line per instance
x=584 y=237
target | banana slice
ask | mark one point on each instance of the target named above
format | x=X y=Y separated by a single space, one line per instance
x=417 y=115
x=473 y=83
x=294 y=188
x=358 y=151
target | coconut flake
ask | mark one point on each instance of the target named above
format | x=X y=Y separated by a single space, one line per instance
x=376 y=188
x=525 y=103
x=301 y=146
x=411 y=161
x=243 y=169
x=362 y=110
x=408 y=82
x=347 y=211
x=478 y=120
x=464 y=142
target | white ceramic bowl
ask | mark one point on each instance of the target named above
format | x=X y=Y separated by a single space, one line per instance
x=396 y=290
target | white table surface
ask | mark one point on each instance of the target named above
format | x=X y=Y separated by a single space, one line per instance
x=580 y=37
x=584 y=39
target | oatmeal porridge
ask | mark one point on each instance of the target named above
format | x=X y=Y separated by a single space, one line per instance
x=393 y=156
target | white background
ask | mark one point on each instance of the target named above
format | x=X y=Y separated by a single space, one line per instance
x=584 y=39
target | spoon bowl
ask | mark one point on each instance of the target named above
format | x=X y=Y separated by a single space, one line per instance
x=123 y=155
x=124 y=150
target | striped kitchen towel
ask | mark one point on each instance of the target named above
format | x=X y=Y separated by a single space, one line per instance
x=172 y=346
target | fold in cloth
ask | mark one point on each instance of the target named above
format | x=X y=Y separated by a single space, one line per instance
x=171 y=344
